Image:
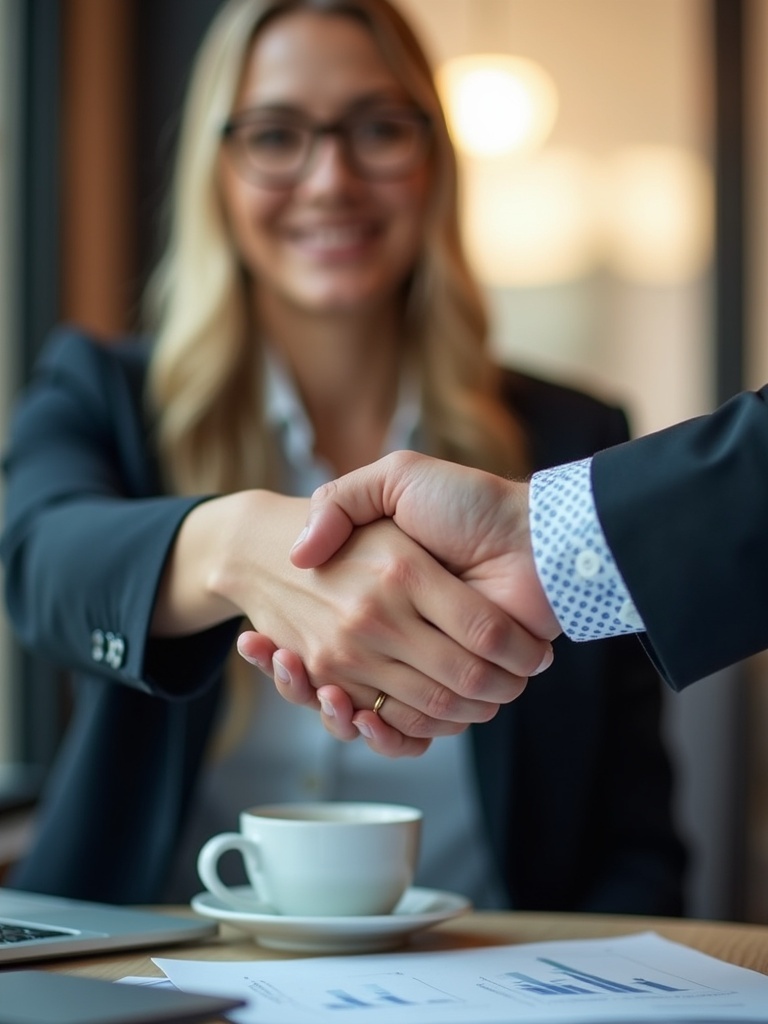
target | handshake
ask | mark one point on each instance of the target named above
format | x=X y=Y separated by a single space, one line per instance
x=473 y=524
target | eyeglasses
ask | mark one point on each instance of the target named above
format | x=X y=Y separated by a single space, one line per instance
x=276 y=150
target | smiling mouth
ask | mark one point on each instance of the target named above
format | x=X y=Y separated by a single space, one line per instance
x=335 y=238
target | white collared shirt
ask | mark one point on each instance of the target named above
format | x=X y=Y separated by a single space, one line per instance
x=287 y=755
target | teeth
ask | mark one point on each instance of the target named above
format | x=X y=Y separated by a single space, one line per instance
x=334 y=236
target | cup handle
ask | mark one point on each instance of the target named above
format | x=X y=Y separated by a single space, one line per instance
x=208 y=870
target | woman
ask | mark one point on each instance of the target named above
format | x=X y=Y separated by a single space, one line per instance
x=313 y=310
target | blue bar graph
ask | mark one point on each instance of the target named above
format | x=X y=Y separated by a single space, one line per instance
x=387 y=990
x=377 y=996
x=601 y=984
x=571 y=981
x=345 y=1000
x=657 y=985
x=544 y=988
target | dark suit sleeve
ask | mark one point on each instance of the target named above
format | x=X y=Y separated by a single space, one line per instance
x=684 y=512
x=87 y=532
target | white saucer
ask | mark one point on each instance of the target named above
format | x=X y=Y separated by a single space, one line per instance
x=418 y=909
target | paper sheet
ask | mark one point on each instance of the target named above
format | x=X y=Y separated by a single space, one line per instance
x=637 y=978
x=136 y=979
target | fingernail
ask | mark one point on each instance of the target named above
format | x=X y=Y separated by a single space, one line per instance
x=327 y=707
x=546 y=661
x=281 y=672
x=363 y=729
x=263 y=666
x=301 y=537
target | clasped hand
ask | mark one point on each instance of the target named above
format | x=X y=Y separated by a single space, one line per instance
x=449 y=635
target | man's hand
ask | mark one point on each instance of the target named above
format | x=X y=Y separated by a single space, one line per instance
x=475 y=523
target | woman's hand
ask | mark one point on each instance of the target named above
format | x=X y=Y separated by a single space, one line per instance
x=335 y=706
x=380 y=616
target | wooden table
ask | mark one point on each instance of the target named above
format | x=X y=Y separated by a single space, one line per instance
x=742 y=944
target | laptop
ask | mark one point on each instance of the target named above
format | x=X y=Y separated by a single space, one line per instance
x=35 y=927
x=46 y=997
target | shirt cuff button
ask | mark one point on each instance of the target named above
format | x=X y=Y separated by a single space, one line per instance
x=588 y=564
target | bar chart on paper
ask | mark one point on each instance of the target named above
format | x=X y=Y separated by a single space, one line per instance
x=626 y=980
x=562 y=979
x=395 y=989
x=544 y=979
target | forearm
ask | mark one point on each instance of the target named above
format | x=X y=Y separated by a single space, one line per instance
x=683 y=510
x=85 y=566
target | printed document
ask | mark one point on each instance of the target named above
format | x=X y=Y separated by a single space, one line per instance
x=634 y=978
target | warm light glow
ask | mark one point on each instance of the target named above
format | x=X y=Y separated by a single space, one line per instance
x=645 y=213
x=534 y=222
x=658 y=209
x=497 y=104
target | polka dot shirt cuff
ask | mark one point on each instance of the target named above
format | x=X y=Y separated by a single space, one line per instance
x=576 y=568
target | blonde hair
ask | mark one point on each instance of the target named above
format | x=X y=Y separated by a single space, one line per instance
x=205 y=379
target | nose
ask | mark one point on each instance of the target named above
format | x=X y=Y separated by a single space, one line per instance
x=329 y=167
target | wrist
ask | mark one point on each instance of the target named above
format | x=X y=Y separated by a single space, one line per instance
x=249 y=560
x=547 y=624
x=517 y=525
x=185 y=601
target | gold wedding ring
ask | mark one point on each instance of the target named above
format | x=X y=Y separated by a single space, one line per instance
x=377 y=704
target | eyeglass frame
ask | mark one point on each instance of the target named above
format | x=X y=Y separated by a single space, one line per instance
x=337 y=128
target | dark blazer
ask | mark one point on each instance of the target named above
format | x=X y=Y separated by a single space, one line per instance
x=574 y=782
x=684 y=512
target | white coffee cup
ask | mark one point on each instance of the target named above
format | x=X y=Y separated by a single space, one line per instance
x=330 y=859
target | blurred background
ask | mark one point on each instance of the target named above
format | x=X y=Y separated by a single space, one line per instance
x=614 y=158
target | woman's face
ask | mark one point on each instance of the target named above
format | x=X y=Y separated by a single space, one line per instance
x=335 y=240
